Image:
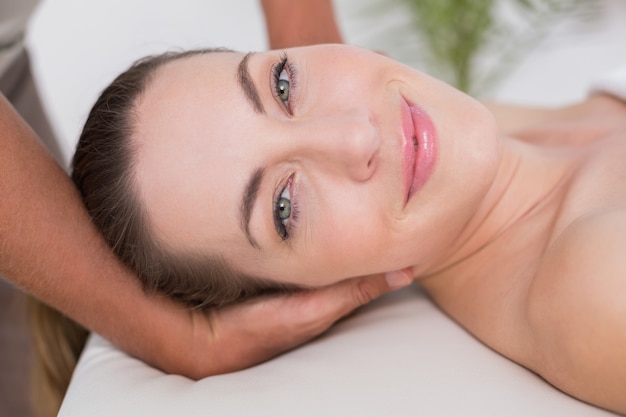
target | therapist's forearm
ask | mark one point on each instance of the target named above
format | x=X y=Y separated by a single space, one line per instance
x=300 y=22
x=50 y=248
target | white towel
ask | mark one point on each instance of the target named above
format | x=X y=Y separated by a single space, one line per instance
x=612 y=82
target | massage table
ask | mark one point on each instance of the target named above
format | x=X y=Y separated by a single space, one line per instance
x=398 y=356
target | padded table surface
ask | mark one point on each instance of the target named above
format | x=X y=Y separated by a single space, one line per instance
x=399 y=356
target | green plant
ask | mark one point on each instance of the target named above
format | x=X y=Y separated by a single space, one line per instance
x=457 y=35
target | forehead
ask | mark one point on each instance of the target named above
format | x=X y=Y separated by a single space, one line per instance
x=186 y=81
x=189 y=169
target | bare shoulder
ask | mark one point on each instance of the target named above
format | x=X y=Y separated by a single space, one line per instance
x=577 y=310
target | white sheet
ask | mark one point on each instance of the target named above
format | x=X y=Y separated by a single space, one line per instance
x=397 y=357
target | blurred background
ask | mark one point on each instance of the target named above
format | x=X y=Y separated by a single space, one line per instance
x=524 y=51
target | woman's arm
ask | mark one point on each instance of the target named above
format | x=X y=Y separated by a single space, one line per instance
x=50 y=248
x=300 y=22
x=575 y=124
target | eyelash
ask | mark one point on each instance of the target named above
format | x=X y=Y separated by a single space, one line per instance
x=285 y=230
x=284 y=64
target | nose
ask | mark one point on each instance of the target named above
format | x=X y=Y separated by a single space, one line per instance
x=346 y=143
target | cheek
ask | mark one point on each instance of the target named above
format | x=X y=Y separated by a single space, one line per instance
x=342 y=86
x=352 y=240
x=468 y=139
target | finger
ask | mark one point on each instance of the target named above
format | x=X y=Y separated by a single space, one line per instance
x=366 y=289
x=399 y=279
x=331 y=303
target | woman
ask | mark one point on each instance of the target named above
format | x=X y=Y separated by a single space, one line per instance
x=218 y=176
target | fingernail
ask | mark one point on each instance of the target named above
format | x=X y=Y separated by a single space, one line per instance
x=399 y=279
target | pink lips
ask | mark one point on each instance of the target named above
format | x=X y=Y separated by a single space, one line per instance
x=417 y=161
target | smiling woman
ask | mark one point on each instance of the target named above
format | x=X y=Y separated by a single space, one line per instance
x=220 y=176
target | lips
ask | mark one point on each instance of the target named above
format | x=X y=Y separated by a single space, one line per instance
x=419 y=148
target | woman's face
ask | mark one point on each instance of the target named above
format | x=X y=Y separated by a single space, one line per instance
x=302 y=167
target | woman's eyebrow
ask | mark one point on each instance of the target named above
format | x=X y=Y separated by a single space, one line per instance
x=247 y=203
x=247 y=85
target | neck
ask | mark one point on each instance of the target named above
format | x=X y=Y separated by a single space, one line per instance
x=528 y=181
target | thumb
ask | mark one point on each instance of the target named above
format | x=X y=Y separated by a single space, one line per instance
x=365 y=289
x=400 y=278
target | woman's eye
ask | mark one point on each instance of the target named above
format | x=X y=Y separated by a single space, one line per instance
x=283 y=79
x=283 y=207
x=282 y=86
x=286 y=211
x=282 y=212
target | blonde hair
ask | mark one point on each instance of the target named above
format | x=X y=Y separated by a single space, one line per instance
x=57 y=344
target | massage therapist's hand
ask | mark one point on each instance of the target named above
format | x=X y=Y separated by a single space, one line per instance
x=245 y=334
x=300 y=22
